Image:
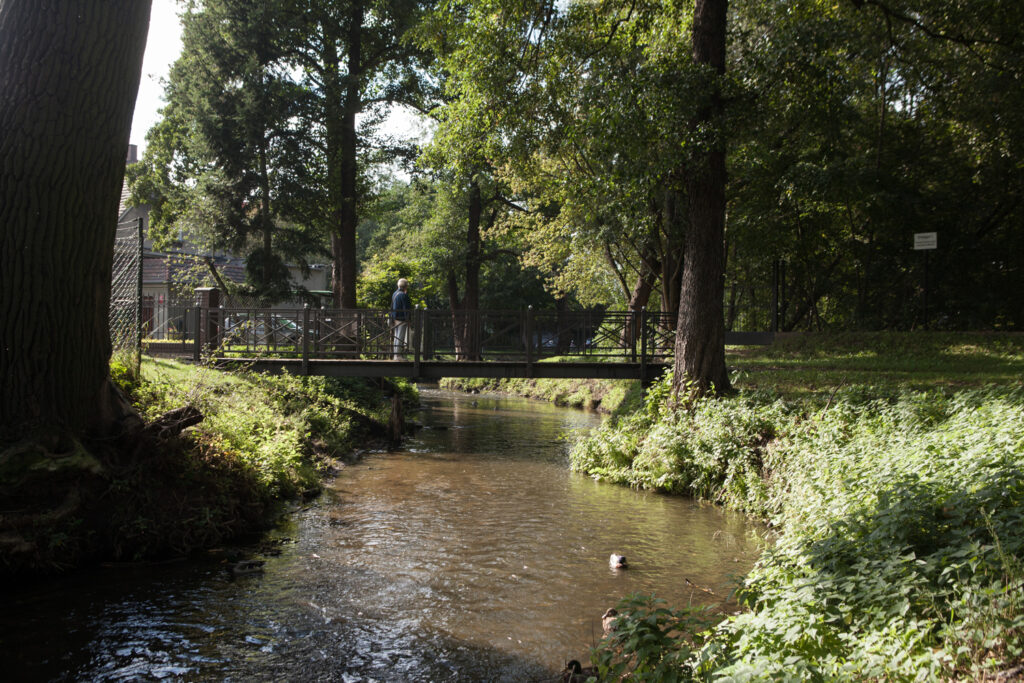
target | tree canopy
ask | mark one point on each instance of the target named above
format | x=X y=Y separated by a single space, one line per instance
x=590 y=142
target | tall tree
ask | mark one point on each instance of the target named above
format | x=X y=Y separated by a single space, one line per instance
x=700 y=332
x=277 y=103
x=69 y=75
x=355 y=60
x=225 y=160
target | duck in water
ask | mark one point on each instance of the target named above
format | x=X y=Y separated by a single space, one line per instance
x=574 y=672
x=608 y=620
x=246 y=567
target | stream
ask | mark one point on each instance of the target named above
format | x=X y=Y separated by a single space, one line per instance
x=472 y=554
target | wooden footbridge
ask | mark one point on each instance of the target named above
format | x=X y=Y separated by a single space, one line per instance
x=436 y=344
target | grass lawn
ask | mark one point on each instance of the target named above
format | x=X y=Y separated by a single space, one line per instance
x=809 y=364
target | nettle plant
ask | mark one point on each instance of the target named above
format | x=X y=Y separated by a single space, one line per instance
x=652 y=642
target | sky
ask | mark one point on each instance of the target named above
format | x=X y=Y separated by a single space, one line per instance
x=164 y=46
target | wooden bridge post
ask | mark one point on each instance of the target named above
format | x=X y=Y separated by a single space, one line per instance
x=417 y=336
x=427 y=336
x=197 y=350
x=305 y=339
x=321 y=316
x=643 y=344
x=529 y=341
x=359 y=334
x=206 y=331
x=397 y=422
x=631 y=321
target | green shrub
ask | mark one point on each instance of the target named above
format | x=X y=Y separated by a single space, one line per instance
x=714 y=451
x=651 y=642
x=901 y=518
x=593 y=394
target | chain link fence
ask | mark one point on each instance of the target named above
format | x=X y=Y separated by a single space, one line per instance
x=126 y=290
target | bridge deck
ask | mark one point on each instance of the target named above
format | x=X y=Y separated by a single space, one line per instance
x=361 y=343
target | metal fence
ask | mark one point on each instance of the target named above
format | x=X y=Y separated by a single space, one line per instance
x=524 y=335
x=126 y=289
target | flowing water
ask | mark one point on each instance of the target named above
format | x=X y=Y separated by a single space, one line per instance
x=473 y=554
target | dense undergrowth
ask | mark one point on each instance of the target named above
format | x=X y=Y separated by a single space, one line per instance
x=262 y=440
x=899 y=511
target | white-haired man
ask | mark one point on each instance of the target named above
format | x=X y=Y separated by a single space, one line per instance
x=401 y=317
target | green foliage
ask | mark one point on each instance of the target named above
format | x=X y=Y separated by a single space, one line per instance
x=221 y=165
x=420 y=232
x=715 y=450
x=900 y=514
x=850 y=126
x=258 y=152
x=901 y=520
x=125 y=370
x=604 y=395
x=856 y=128
x=651 y=642
x=379 y=280
x=277 y=425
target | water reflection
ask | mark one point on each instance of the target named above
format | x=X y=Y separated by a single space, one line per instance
x=473 y=554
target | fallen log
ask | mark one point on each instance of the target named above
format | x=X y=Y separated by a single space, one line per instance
x=173 y=422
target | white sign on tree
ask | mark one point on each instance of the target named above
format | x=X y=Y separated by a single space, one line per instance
x=926 y=240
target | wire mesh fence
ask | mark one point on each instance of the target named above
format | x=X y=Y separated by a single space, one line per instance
x=126 y=289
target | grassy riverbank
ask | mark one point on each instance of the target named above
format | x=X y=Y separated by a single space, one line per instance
x=892 y=467
x=261 y=441
x=607 y=396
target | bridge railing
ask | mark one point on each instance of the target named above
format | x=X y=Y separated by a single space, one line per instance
x=528 y=335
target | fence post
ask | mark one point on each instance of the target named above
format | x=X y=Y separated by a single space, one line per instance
x=358 y=334
x=197 y=350
x=217 y=329
x=631 y=321
x=321 y=317
x=774 y=327
x=428 y=333
x=209 y=299
x=529 y=341
x=305 y=339
x=417 y=337
x=643 y=344
x=783 y=303
x=475 y=334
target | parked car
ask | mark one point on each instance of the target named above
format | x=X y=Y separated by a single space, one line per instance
x=257 y=330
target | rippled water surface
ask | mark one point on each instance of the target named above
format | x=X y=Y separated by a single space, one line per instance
x=473 y=554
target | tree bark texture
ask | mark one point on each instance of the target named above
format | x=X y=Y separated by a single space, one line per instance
x=640 y=295
x=466 y=319
x=672 y=255
x=342 y=153
x=69 y=75
x=700 y=337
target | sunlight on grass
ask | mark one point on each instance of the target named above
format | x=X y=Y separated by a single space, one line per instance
x=808 y=364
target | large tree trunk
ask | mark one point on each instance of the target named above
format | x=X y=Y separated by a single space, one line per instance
x=473 y=249
x=700 y=338
x=640 y=295
x=69 y=75
x=343 y=100
x=346 y=288
x=672 y=255
x=466 y=319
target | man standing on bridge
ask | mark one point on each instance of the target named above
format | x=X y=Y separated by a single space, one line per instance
x=401 y=315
